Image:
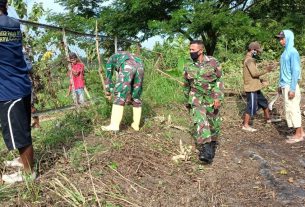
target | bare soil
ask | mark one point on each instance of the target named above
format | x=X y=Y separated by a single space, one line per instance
x=136 y=168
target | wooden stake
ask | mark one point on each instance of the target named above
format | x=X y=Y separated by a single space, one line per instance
x=100 y=69
x=170 y=77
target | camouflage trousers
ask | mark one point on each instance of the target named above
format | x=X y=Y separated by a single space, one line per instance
x=207 y=123
x=128 y=87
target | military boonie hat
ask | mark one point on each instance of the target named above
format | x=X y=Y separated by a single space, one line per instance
x=255 y=46
x=280 y=35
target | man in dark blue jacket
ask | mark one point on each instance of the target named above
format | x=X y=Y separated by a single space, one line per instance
x=15 y=97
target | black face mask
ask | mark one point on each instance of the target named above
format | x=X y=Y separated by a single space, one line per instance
x=194 y=56
x=255 y=54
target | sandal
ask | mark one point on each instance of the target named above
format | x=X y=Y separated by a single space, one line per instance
x=249 y=129
x=274 y=120
x=293 y=137
x=294 y=140
x=13 y=163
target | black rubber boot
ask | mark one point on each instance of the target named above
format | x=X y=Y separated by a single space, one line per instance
x=206 y=153
x=214 y=145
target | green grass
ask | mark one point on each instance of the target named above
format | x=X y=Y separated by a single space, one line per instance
x=7 y=192
x=77 y=155
x=65 y=189
x=66 y=132
x=159 y=90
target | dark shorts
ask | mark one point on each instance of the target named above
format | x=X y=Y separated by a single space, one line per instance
x=255 y=101
x=15 y=118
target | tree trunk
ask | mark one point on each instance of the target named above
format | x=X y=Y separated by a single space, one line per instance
x=209 y=40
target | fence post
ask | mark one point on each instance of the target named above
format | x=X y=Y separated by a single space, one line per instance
x=115 y=44
x=138 y=49
x=99 y=59
x=64 y=38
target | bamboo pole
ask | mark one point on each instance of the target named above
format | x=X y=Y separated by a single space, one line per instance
x=138 y=49
x=156 y=66
x=169 y=76
x=100 y=69
x=69 y=65
x=115 y=44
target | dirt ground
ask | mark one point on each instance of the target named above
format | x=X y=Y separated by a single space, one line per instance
x=136 y=169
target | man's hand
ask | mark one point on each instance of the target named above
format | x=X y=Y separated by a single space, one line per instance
x=291 y=94
x=279 y=90
x=217 y=104
x=33 y=109
x=188 y=106
x=270 y=67
x=108 y=96
x=265 y=83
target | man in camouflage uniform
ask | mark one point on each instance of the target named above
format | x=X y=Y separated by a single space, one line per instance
x=203 y=88
x=130 y=69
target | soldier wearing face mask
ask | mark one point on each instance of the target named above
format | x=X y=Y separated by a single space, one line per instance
x=253 y=85
x=203 y=89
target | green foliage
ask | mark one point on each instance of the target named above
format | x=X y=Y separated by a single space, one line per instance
x=32 y=190
x=126 y=18
x=20 y=6
x=37 y=12
x=245 y=20
x=274 y=16
x=173 y=54
x=63 y=130
x=160 y=90
x=85 y=8
x=113 y=165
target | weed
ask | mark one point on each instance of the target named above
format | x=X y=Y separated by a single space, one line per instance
x=168 y=135
x=77 y=154
x=113 y=165
x=67 y=191
x=117 y=145
x=33 y=189
x=7 y=192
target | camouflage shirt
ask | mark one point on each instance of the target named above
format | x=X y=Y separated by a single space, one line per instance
x=202 y=82
x=116 y=62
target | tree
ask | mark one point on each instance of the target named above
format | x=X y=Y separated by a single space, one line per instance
x=276 y=15
x=129 y=18
x=194 y=19
x=84 y=8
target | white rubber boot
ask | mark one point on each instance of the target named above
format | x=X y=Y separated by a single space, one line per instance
x=116 y=118
x=136 y=118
